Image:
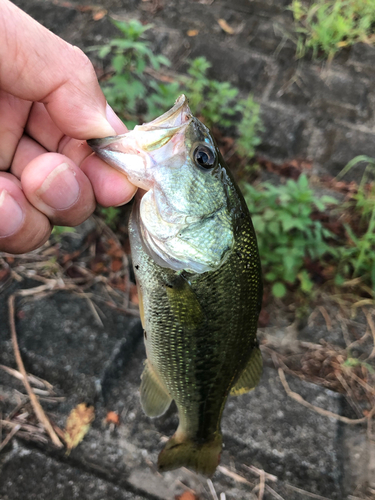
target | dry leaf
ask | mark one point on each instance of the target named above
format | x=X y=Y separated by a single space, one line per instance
x=188 y=495
x=78 y=424
x=116 y=265
x=192 y=32
x=112 y=418
x=99 y=15
x=225 y=26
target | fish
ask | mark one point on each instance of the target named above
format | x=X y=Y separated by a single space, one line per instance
x=198 y=274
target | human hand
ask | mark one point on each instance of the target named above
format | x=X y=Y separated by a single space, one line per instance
x=50 y=102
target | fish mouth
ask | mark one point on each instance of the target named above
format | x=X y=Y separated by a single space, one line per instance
x=178 y=115
x=137 y=152
x=155 y=133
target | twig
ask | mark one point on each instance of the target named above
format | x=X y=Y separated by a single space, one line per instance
x=307 y=493
x=261 y=472
x=91 y=305
x=327 y=319
x=233 y=475
x=274 y=493
x=39 y=412
x=32 y=379
x=186 y=488
x=212 y=489
x=262 y=483
x=370 y=323
x=317 y=409
x=351 y=497
x=15 y=429
x=23 y=425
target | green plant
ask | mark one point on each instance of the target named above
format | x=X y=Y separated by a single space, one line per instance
x=286 y=233
x=327 y=25
x=351 y=362
x=249 y=128
x=61 y=230
x=217 y=103
x=131 y=86
x=110 y=215
x=357 y=257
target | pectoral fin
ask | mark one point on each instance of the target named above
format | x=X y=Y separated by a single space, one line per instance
x=250 y=377
x=141 y=307
x=184 y=304
x=155 y=399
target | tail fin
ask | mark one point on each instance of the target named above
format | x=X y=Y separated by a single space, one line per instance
x=201 y=457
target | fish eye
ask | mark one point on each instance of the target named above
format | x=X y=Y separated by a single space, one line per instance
x=204 y=157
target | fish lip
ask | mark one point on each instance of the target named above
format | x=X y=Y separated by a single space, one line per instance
x=173 y=121
x=178 y=115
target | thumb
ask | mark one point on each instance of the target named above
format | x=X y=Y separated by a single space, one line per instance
x=37 y=65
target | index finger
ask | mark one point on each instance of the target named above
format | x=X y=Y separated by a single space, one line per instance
x=37 y=65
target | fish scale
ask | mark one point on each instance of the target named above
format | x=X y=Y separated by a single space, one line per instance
x=198 y=274
x=212 y=348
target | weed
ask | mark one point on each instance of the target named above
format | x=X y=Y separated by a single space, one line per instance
x=130 y=85
x=110 y=215
x=61 y=230
x=351 y=362
x=131 y=88
x=249 y=128
x=357 y=256
x=286 y=233
x=217 y=104
x=326 y=25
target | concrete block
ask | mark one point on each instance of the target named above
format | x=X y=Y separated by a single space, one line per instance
x=285 y=135
x=28 y=474
x=61 y=341
x=336 y=145
x=268 y=429
x=323 y=93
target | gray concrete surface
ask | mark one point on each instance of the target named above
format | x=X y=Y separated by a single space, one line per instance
x=309 y=110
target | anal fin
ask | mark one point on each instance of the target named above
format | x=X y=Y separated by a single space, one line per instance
x=250 y=377
x=155 y=399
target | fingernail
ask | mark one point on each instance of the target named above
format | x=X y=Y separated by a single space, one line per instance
x=60 y=190
x=11 y=215
x=114 y=120
x=106 y=128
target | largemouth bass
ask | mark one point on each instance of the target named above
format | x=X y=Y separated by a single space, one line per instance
x=198 y=274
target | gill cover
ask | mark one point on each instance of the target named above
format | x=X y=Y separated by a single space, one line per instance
x=184 y=219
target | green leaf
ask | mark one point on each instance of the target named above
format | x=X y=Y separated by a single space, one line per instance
x=339 y=280
x=306 y=283
x=118 y=63
x=278 y=290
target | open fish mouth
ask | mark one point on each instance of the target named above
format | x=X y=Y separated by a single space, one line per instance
x=178 y=115
x=156 y=133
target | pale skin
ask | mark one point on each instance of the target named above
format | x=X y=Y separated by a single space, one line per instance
x=50 y=102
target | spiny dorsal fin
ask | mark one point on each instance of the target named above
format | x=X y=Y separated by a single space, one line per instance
x=155 y=399
x=250 y=377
